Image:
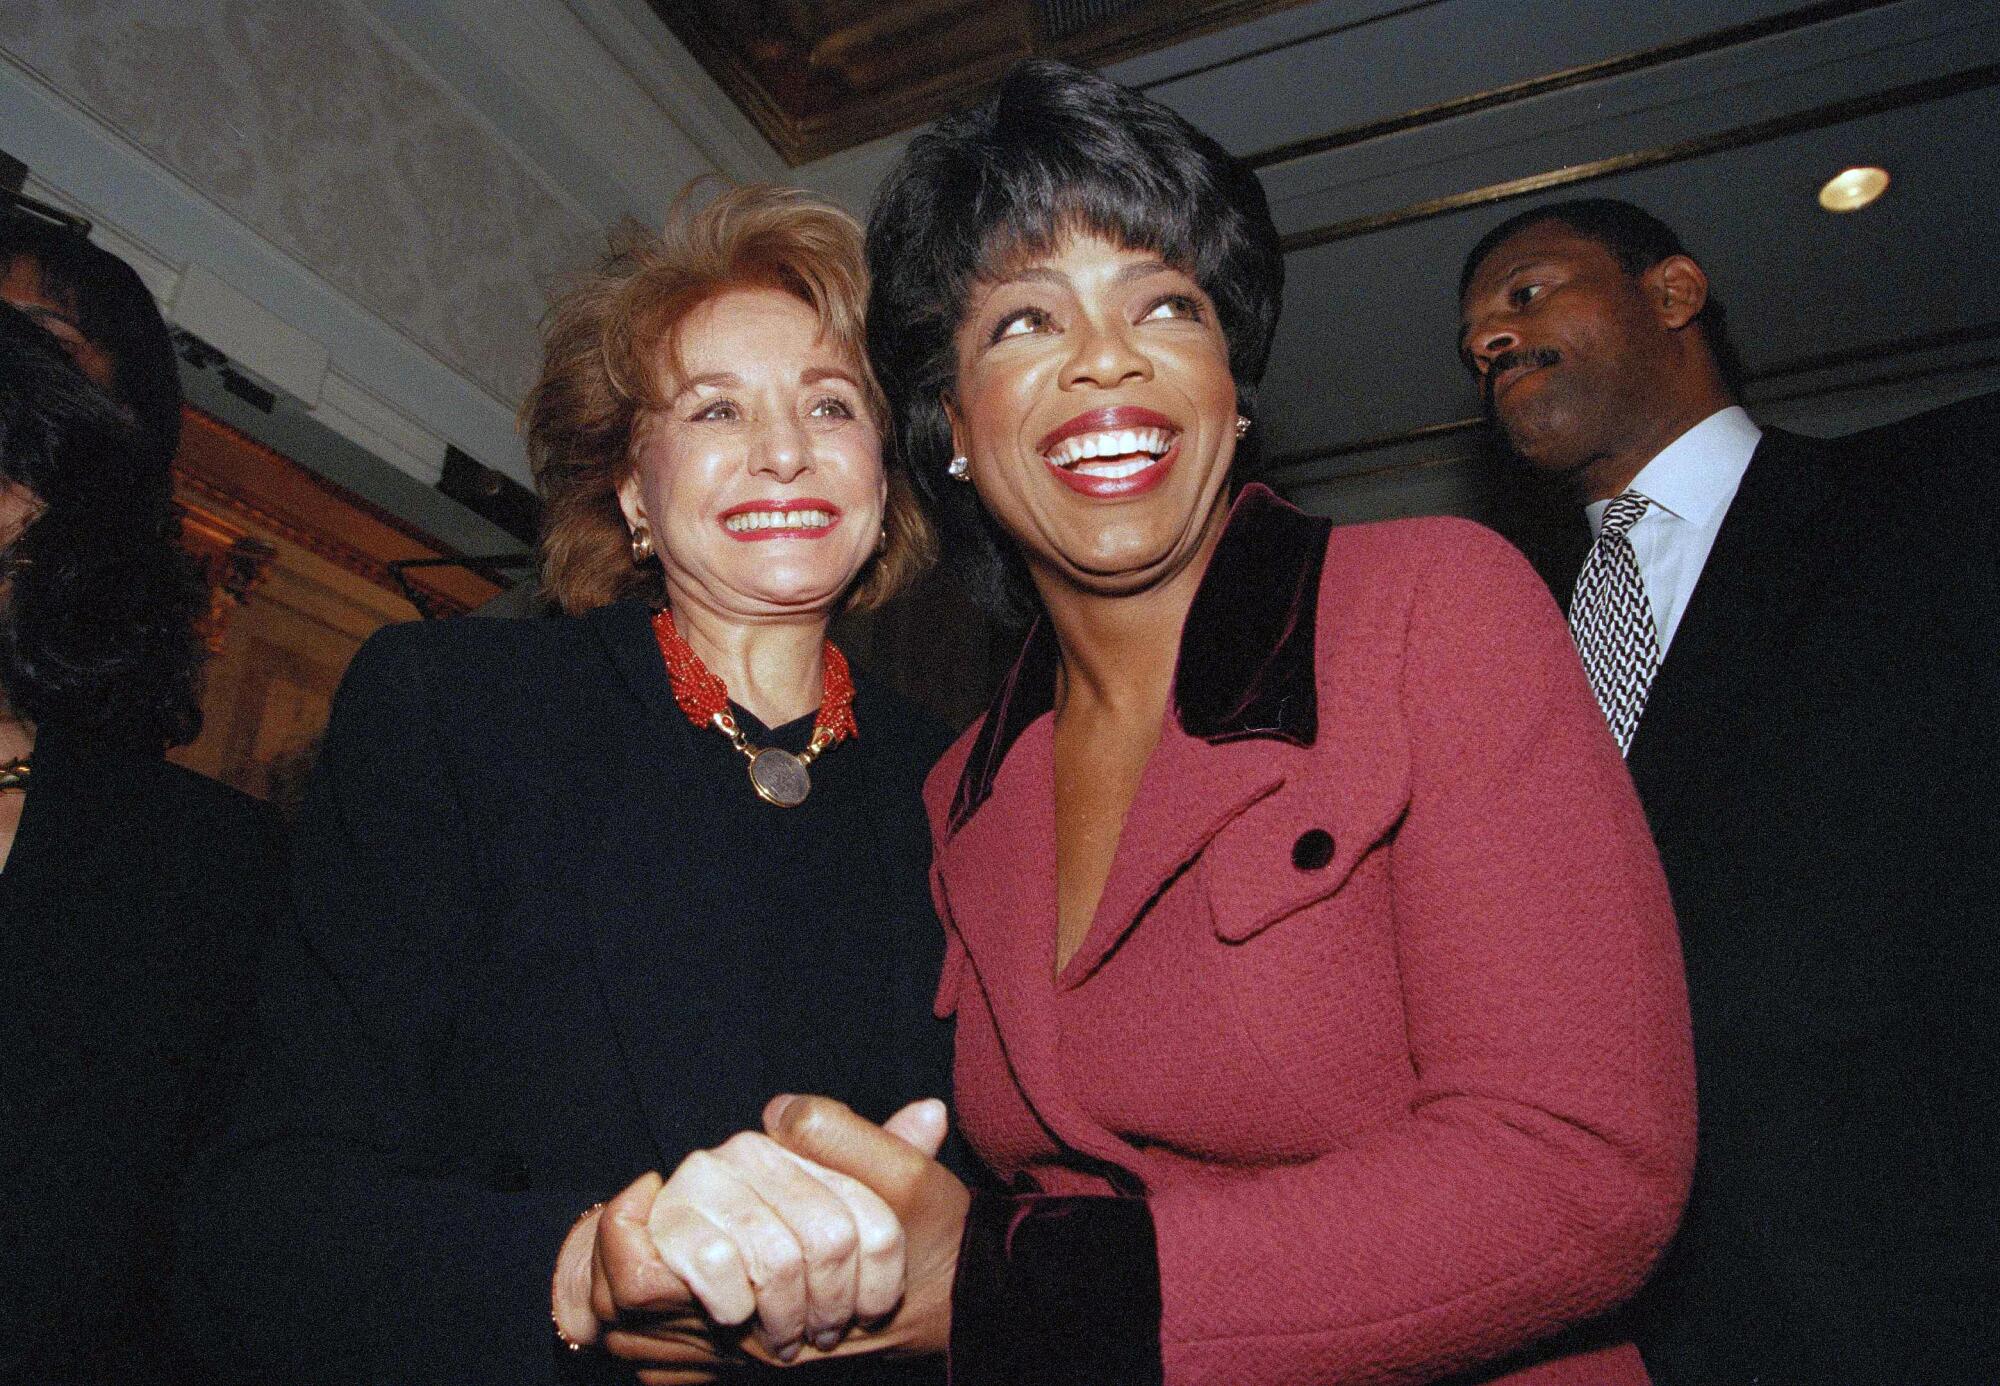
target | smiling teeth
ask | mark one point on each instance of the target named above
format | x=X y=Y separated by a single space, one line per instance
x=1114 y=471
x=777 y=519
x=1128 y=443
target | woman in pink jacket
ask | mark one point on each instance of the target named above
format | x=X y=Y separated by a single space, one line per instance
x=1318 y=994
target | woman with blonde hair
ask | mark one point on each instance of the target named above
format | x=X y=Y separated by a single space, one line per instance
x=576 y=895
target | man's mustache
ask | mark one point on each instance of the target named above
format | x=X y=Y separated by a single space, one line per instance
x=1506 y=361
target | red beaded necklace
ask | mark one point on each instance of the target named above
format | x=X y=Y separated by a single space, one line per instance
x=778 y=776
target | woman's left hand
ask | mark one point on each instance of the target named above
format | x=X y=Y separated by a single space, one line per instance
x=747 y=1251
x=754 y=1230
x=751 y=1229
x=896 y=1161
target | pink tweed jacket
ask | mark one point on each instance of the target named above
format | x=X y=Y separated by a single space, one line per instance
x=1380 y=1024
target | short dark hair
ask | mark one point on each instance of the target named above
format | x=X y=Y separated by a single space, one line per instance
x=97 y=628
x=1053 y=150
x=1637 y=240
x=115 y=310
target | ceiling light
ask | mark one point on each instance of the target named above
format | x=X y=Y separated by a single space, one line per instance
x=1852 y=189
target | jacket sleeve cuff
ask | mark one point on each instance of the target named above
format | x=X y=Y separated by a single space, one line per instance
x=1055 y=1289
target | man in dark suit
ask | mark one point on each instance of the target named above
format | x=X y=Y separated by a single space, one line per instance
x=1795 y=643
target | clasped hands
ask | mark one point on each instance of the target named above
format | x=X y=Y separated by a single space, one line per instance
x=826 y=1235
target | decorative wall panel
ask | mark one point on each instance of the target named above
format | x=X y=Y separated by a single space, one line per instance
x=311 y=128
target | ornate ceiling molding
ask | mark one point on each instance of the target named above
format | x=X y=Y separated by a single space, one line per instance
x=230 y=485
x=820 y=76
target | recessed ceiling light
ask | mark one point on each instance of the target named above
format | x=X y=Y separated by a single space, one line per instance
x=1852 y=189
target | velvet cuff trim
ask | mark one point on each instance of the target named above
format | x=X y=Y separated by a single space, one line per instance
x=1055 y=1289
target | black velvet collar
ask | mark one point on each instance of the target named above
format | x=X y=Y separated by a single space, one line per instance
x=1246 y=658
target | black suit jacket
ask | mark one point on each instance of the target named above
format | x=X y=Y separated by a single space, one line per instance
x=130 y=914
x=1816 y=762
x=532 y=960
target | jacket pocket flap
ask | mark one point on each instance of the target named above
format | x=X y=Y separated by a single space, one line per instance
x=1290 y=851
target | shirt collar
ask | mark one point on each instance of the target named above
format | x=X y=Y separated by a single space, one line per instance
x=1246 y=666
x=1694 y=477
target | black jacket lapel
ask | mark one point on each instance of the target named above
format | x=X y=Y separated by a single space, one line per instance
x=1765 y=565
x=653 y=866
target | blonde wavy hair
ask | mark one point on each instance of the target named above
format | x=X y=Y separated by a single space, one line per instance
x=611 y=354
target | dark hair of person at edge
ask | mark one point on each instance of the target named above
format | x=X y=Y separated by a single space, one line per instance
x=96 y=630
x=89 y=292
x=1054 y=152
x=1637 y=240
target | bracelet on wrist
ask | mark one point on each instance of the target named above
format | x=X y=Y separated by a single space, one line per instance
x=572 y=1344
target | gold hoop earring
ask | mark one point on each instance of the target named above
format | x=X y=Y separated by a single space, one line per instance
x=642 y=543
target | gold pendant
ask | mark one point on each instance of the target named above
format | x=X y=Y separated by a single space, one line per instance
x=779 y=777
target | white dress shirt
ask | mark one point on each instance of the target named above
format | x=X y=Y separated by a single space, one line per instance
x=1690 y=484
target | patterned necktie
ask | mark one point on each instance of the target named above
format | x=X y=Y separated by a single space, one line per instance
x=1612 y=622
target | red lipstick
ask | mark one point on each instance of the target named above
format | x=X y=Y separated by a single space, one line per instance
x=1118 y=487
x=1079 y=475
x=753 y=528
x=1118 y=417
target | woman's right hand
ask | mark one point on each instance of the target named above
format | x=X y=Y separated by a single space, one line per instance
x=608 y=1273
